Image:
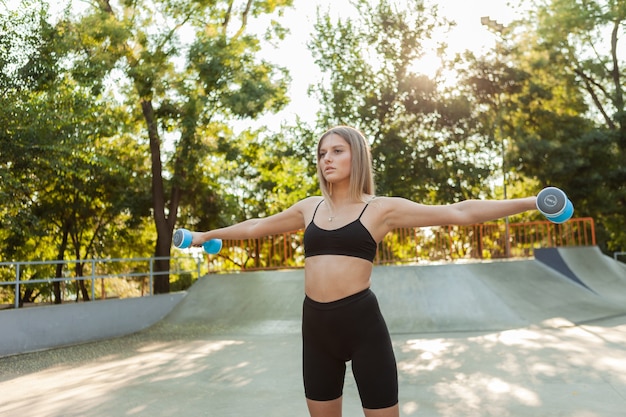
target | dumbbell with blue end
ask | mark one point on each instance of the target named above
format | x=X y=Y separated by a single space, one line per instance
x=554 y=205
x=182 y=240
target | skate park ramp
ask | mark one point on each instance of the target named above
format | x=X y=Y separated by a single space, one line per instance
x=491 y=339
x=596 y=271
x=485 y=296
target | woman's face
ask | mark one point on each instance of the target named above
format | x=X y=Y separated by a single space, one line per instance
x=335 y=158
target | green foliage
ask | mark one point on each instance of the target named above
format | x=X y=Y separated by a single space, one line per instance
x=423 y=144
x=574 y=132
x=183 y=282
x=547 y=109
x=265 y=174
x=118 y=124
x=188 y=76
x=64 y=173
x=231 y=78
x=70 y=178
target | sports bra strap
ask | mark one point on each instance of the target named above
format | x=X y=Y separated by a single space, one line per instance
x=316 y=207
x=363 y=211
x=321 y=201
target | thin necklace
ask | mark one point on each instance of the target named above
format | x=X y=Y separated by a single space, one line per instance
x=330 y=218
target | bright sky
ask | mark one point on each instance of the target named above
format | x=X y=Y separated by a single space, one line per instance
x=293 y=53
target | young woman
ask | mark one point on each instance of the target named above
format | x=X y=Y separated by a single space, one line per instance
x=341 y=320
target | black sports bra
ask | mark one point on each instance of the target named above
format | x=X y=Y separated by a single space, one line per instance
x=353 y=239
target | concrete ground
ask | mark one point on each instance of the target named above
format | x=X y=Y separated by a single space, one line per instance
x=513 y=338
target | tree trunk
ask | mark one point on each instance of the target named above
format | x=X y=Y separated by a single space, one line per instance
x=163 y=227
x=82 y=289
x=56 y=286
x=29 y=295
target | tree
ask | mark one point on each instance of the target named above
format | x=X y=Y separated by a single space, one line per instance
x=423 y=147
x=574 y=107
x=557 y=102
x=272 y=172
x=67 y=180
x=186 y=90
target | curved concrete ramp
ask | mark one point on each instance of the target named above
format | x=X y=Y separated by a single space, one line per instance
x=416 y=299
x=231 y=348
x=485 y=297
x=264 y=302
x=601 y=273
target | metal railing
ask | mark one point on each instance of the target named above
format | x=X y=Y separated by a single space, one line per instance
x=415 y=245
x=106 y=272
x=402 y=246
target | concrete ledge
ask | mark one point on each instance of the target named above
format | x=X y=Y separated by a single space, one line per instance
x=38 y=328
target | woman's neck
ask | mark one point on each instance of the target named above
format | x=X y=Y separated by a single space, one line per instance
x=343 y=198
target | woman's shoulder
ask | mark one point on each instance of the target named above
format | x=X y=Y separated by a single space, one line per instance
x=308 y=202
x=382 y=201
x=377 y=204
x=386 y=206
x=315 y=199
x=386 y=200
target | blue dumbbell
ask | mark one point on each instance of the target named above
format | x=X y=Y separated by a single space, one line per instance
x=182 y=240
x=554 y=204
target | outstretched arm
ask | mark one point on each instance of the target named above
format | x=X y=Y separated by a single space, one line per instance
x=401 y=212
x=285 y=221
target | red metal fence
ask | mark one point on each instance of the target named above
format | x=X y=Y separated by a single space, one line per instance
x=418 y=245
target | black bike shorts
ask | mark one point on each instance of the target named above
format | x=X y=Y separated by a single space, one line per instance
x=352 y=328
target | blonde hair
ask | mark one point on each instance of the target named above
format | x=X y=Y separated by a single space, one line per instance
x=361 y=173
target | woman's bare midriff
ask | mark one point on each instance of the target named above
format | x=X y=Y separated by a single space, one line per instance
x=333 y=277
